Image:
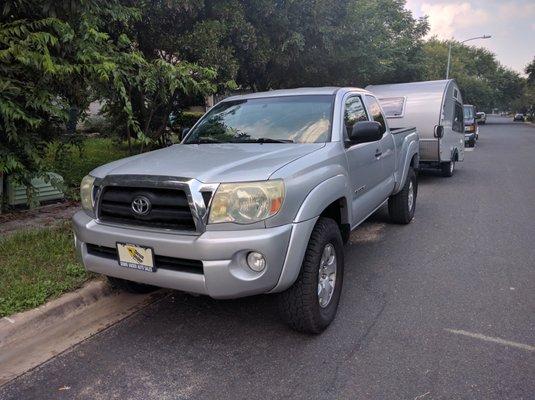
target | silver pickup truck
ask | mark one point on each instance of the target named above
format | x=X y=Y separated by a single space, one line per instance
x=259 y=197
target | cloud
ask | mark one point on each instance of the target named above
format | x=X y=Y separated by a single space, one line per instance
x=512 y=10
x=449 y=17
x=510 y=22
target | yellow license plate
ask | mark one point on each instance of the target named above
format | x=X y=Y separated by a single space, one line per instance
x=136 y=257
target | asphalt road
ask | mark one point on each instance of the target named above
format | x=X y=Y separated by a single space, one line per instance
x=466 y=263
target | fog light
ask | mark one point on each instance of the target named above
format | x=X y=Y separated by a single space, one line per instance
x=256 y=261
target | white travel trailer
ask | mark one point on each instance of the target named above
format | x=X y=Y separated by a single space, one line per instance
x=436 y=109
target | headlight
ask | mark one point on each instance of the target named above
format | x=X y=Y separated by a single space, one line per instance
x=247 y=202
x=86 y=193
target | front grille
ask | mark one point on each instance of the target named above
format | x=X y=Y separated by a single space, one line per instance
x=169 y=207
x=161 y=262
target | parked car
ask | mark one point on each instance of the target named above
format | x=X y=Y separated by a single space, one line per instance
x=259 y=197
x=435 y=108
x=518 y=117
x=471 y=129
x=481 y=118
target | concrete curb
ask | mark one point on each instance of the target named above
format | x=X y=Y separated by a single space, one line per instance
x=28 y=322
x=31 y=338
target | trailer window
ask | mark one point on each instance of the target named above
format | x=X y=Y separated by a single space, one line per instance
x=458 y=118
x=393 y=106
x=375 y=110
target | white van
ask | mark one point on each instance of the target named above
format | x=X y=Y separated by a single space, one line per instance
x=436 y=109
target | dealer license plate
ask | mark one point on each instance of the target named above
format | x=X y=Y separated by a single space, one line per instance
x=136 y=257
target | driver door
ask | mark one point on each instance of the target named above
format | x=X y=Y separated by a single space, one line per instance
x=364 y=163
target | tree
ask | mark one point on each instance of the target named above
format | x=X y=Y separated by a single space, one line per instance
x=54 y=55
x=47 y=61
x=526 y=103
x=262 y=44
x=348 y=42
x=530 y=70
x=482 y=80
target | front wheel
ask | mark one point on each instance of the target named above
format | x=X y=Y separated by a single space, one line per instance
x=310 y=305
x=401 y=206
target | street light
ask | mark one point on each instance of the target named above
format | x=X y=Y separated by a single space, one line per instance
x=464 y=41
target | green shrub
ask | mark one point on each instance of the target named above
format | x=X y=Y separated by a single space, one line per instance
x=75 y=160
x=185 y=119
x=97 y=124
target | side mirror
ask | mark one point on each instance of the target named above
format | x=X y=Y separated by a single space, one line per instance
x=366 y=131
x=184 y=133
x=439 y=131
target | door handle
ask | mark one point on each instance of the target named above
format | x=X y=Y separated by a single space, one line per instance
x=378 y=153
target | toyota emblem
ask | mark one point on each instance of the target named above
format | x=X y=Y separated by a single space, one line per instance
x=141 y=205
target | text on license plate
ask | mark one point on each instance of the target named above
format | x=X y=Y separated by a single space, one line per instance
x=134 y=256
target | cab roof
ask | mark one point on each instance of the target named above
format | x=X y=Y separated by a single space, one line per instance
x=329 y=90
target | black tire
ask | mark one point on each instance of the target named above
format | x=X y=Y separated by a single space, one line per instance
x=448 y=169
x=472 y=143
x=299 y=306
x=131 y=287
x=399 y=209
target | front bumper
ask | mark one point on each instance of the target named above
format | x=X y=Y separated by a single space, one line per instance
x=469 y=137
x=225 y=273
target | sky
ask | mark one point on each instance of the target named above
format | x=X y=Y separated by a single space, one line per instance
x=510 y=22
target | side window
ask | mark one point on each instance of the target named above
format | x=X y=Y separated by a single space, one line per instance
x=354 y=112
x=375 y=111
x=458 y=118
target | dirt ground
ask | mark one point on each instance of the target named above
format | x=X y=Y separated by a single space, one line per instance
x=37 y=218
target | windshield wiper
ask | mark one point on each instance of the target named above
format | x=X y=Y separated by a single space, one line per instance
x=270 y=140
x=205 y=140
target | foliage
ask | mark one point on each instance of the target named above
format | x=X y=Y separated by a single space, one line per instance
x=347 y=42
x=483 y=81
x=23 y=285
x=96 y=124
x=526 y=102
x=74 y=160
x=51 y=53
x=56 y=56
x=186 y=119
x=151 y=90
x=264 y=45
x=148 y=60
x=530 y=70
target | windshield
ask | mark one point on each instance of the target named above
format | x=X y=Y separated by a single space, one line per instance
x=288 y=119
x=468 y=113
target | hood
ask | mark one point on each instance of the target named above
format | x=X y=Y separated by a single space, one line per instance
x=211 y=163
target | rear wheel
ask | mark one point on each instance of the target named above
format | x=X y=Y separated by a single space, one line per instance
x=448 y=168
x=401 y=206
x=310 y=304
x=129 y=286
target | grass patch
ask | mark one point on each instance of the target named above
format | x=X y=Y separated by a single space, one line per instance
x=37 y=265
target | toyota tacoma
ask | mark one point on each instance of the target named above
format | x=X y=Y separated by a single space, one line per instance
x=259 y=197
